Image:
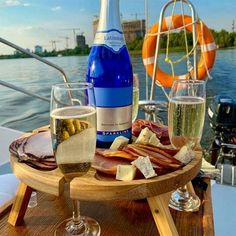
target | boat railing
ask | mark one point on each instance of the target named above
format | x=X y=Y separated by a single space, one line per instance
x=151 y=106
x=35 y=56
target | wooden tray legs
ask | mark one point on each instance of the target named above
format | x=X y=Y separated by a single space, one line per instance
x=159 y=206
x=20 y=204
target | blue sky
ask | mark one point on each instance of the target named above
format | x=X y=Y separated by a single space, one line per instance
x=31 y=22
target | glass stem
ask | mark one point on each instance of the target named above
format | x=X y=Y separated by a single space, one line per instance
x=184 y=192
x=76 y=213
x=77 y=226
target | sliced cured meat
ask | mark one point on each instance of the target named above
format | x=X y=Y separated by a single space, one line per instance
x=20 y=151
x=108 y=165
x=39 y=145
x=160 y=130
x=114 y=154
x=164 y=152
x=13 y=148
x=35 y=150
x=41 y=165
x=158 y=158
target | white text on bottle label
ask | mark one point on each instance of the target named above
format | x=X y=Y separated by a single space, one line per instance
x=112 y=39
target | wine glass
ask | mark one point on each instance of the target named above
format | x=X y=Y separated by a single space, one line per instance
x=186 y=115
x=135 y=104
x=73 y=131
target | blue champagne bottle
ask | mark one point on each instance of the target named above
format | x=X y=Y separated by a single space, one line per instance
x=110 y=70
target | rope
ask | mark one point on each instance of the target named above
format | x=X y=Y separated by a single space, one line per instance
x=189 y=65
x=167 y=59
x=186 y=56
x=165 y=32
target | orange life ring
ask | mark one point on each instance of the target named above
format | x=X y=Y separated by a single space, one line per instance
x=206 y=41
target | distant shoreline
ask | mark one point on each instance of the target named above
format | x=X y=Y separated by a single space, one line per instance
x=61 y=53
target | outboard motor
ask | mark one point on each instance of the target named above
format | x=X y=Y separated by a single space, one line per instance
x=222 y=116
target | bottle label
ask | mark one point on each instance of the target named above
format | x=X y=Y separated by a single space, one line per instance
x=113 y=122
x=114 y=119
x=112 y=39
x=114 y=111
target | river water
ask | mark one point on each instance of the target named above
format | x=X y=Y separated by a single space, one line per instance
x=25 y=113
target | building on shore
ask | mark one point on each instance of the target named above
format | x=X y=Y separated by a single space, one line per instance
x=80 y=41
x=38 y=49
x=132 y=29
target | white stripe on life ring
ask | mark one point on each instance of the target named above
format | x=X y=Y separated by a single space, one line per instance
x=148 y=61
x=169 y=22
x=182 y=76
x=208 y=47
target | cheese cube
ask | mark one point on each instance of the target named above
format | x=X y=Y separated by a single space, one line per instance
x=125 y=172
x=145 y=166
x=184 y=155
x=144 y=136
x=119 y=143
x=154 y=140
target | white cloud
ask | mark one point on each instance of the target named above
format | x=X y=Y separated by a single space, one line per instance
x=14 y=3
x=57 y=8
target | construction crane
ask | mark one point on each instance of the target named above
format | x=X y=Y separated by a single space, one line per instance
x=54 y=44
x=46 y=46
x=74 y=32
x=67 y=40
x=136 y=15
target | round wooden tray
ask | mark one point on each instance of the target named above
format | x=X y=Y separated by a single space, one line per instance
x=89 y=188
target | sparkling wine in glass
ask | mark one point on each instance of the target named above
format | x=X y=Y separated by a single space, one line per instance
x=135 y=104
x=73 y=131
x=186 y=115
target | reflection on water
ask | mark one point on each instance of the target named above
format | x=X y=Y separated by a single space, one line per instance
x=25 y=113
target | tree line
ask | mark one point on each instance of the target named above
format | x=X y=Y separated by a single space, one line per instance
x=223 y=39
x=67 y=52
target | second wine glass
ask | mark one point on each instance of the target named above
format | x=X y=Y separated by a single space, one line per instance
x=185 y=124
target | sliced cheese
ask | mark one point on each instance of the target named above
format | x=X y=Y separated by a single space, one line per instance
x=207 y=165
x=184 y=155
x=125 y=172
x=119 y=143
x=77 y=149
x=145 y=166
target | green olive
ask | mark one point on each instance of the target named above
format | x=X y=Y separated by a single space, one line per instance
x=71 y=129
x=77 y=126
x=65 y=135
x=83 y=125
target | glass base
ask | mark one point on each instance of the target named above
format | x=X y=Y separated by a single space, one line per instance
x=87 y=227
x=182 y=200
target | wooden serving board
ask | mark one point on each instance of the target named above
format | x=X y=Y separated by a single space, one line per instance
x=90 y=188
